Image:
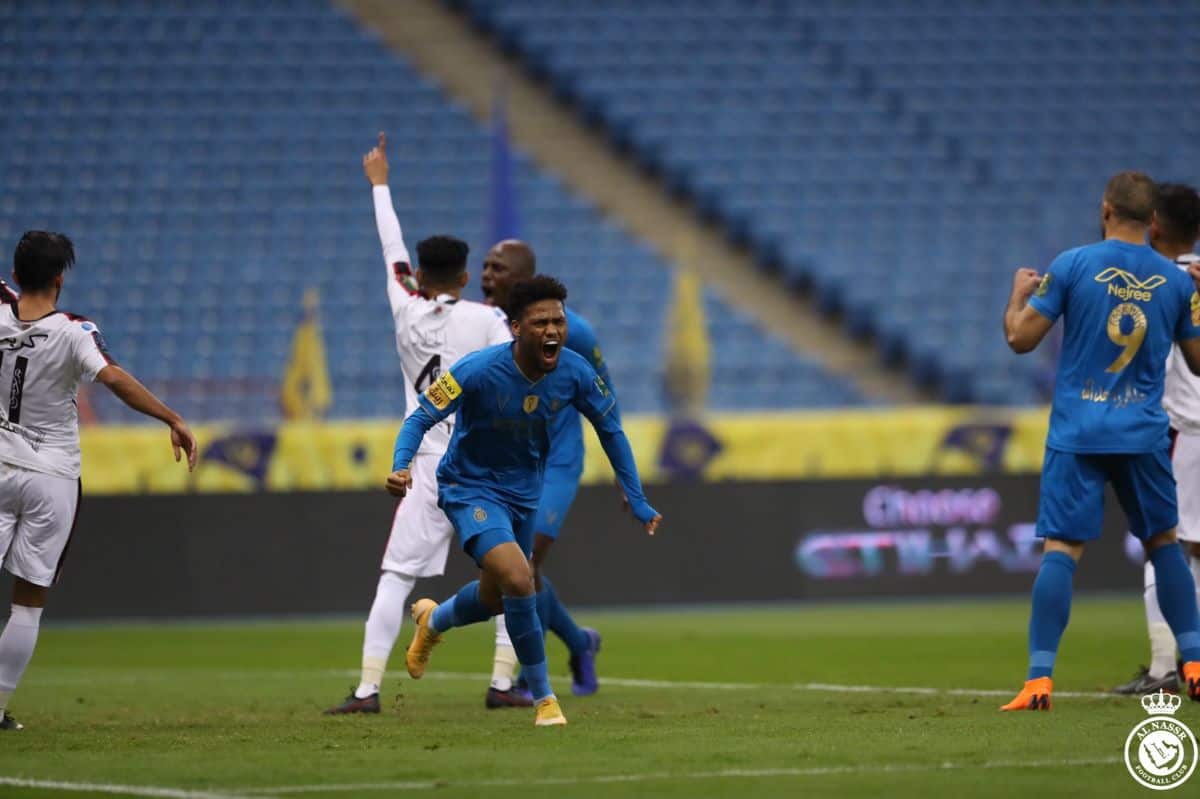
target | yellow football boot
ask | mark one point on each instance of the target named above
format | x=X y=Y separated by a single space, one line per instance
x=424 y=639
x=549 y=714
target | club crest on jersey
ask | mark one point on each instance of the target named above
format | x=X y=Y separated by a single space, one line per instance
x=530 y=404
x=1195 y=309
x=1134 y=289
x=480 y=515
x=443 y=391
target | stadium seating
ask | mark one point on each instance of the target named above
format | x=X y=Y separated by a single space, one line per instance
x=205 y=158
x=899 y=158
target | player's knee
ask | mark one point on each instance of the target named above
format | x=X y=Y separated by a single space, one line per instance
x=517 y=581
x=1074 y=549
x=1165 y=538
x=28 y=594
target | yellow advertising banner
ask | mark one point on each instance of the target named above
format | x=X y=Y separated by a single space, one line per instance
x=320 y=456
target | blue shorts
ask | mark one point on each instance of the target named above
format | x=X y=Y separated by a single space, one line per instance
x=484 y=523
x=1071 y=507
x=558 y=494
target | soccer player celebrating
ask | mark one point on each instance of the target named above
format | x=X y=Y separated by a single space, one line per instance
x=434 y=327
x=1123 y=306
x=1173 y=233
x=506 y=263
x=44 y=354
x=490 y=481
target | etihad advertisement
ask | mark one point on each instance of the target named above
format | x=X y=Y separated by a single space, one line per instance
x=945 y=536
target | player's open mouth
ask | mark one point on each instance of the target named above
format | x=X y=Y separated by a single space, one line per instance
x=549 y=349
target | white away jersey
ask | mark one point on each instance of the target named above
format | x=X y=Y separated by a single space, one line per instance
x=431 y=334
x=1181 y=398
x=41 y=365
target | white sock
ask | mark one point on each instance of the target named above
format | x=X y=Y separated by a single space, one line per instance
x=504 y=663
x=16 y=648
x=382 y=629
x=1196 y=576
x=1162 y=640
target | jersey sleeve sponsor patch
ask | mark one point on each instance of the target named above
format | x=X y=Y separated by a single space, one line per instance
x=443 y=391
x=1044 y=286
x=1195 y=309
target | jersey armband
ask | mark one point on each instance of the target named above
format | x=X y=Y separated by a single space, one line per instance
x=404 y=276
x=443 y=391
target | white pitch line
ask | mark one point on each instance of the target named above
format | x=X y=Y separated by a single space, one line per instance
x=834 y=688
x=620 y=682
x=122 y=790
x=156 y=792
x=816 y=771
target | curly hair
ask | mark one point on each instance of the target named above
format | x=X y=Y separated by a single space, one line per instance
x=535 y=289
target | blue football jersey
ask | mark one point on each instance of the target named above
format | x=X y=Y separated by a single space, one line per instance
x=501 y=441
x=1123 y=305
x=566 y=432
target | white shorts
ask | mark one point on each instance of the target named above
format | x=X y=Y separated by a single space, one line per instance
x=421 y=533
x=37 y=516
x=1185 y=461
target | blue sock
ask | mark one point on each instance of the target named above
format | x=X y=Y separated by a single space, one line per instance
x=1177 y=598
x=460 y=610
x=556 y=619
x=1051 y=611
x=525 y=630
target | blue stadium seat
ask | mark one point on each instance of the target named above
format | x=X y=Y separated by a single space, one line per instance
x=950 y=142
x=214 y=177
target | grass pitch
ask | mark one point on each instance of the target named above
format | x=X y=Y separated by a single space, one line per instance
x=699 y=703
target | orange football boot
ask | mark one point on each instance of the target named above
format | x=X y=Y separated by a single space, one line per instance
x=1191 y=676
x=1035 y=695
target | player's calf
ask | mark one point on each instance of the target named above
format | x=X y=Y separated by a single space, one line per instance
x=19 y=639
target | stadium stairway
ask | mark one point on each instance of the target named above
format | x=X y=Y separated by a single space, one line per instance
x=469 y=65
